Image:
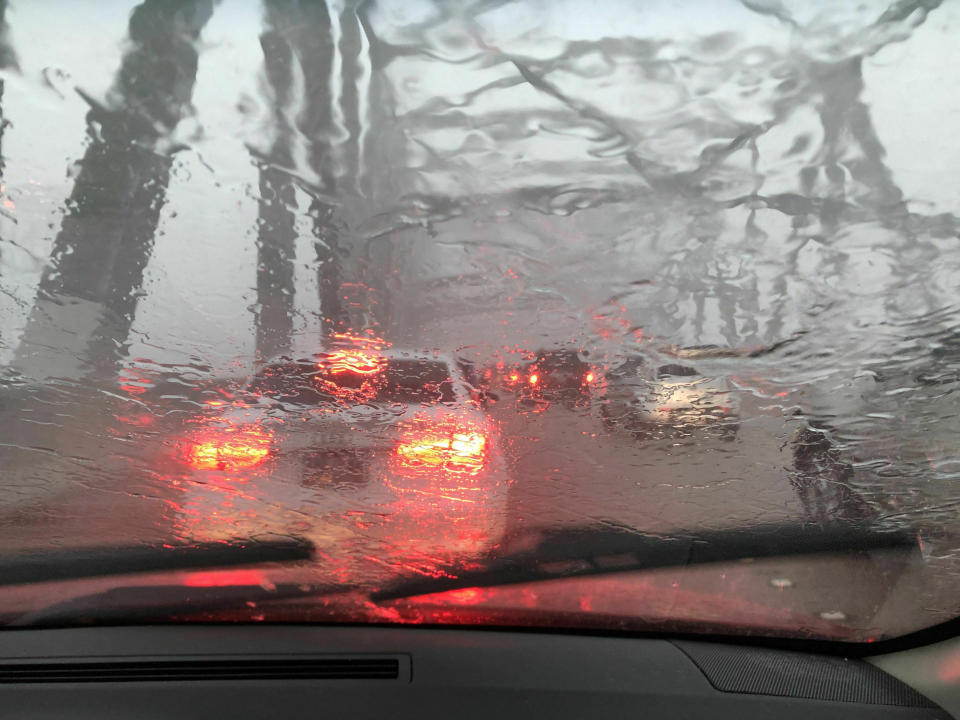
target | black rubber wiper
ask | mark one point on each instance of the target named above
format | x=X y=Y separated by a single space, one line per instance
x=76 y=564
x=161 y=603
x=588 y=551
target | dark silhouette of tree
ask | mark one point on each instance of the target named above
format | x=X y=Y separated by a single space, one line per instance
x=298 y=50
x=88 y=293
x=8 y=61
x=314 y=110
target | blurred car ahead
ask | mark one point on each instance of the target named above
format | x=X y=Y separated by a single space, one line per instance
x=357 y=447
x=669 y=401
x=541 y=377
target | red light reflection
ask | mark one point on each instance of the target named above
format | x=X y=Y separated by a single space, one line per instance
x=229 y=448
x=134 y=383
x=533 y=379
x=466 y=596
x=224 y=578
x=948 y=669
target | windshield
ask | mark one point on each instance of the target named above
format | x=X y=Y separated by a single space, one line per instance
x=488 y=304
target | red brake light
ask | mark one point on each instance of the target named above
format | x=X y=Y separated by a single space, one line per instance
x=533 y=379
x=358 y=362
x=350 y=372
x=229 y=448
x=445 y=446
x=589 y=377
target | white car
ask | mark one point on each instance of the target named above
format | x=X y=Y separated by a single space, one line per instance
x=353 y=449
x=670 y=401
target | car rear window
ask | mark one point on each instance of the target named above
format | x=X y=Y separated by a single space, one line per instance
x=401 y=380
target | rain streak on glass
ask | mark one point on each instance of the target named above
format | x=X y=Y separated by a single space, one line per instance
x=424 y=281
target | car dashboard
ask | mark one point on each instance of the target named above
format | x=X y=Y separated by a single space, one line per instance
x=271 y=671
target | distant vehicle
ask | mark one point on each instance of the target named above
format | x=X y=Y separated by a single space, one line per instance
x=541 y=376
x=669 y=401
x=390 y=445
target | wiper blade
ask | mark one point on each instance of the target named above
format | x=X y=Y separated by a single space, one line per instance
x=152 y=603
x=590 y=551
x=76 y=564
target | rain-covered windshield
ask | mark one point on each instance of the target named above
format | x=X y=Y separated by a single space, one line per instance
x=429 y=284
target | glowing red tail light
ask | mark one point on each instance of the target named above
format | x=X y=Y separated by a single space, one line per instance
x=443 y=446
x=356 y=361
x=355 y=354
x=229 y=448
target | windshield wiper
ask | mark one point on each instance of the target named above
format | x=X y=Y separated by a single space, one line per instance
x=586 y=551
x=76 y=564
x=153 y=603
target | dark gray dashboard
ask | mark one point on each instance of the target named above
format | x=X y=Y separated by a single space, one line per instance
x=269 y=671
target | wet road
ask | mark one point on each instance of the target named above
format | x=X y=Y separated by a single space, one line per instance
x=251 y=185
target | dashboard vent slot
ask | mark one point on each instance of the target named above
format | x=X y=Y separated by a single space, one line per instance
x=287 y=668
